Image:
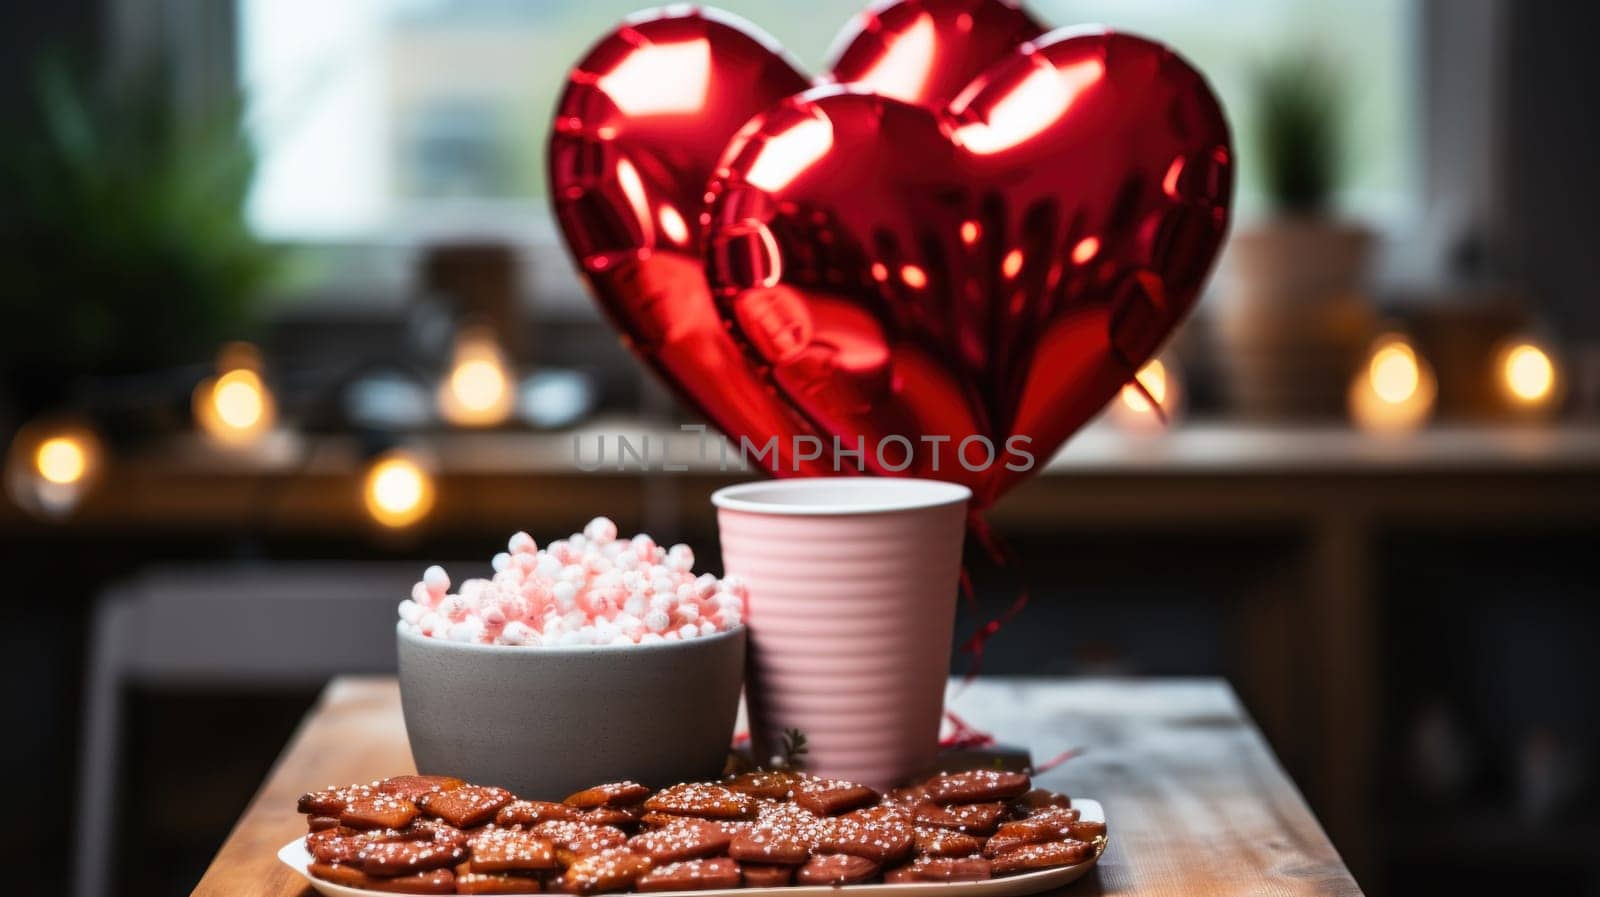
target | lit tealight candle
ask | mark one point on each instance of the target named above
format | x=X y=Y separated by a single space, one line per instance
x=61 y=460
x=1395 y=390
x=398 y=490
x=1528 y=377
x=51 y=466
x=477 y=390
x=1163 y=382
x=236 y=407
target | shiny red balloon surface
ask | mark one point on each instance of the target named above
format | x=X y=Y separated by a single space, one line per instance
x=982 y=273
x=637 y=134
x=926 y=51
x=997 y=269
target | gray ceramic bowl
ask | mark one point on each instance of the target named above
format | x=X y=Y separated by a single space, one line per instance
x=545 y=722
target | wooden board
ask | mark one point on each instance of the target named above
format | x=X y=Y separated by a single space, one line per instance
x=1198 y=804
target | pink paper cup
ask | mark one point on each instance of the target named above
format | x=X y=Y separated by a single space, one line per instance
x=853 y=586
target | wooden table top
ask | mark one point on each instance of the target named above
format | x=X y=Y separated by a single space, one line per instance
x=1195 y=801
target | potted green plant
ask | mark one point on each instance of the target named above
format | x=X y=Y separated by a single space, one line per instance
x=123 y=241
x=1294 y=318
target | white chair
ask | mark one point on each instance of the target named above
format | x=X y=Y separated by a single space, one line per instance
x=258 y=626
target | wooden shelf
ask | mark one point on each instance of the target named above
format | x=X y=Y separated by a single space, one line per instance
x=488 y=481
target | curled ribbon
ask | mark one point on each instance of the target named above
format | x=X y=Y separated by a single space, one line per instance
x=1004 y=557
x=963 y=734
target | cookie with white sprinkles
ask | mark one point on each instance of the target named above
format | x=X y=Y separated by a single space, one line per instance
x=439 y=834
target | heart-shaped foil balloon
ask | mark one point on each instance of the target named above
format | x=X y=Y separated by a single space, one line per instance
x=949 y=260
x=637 y=135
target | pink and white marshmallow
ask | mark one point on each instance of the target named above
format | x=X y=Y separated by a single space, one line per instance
x=591 y=588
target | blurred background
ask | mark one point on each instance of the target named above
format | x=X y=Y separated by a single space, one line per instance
x=284 y=316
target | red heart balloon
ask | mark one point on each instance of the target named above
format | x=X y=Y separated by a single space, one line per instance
x=972 y=257
x=988 y=274
x=638 y=132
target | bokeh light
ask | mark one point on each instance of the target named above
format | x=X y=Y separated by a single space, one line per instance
x=1528 y=376
x=61 y=460
x=1394 y=373
x=52 y=465
x=398 y=490
x=1395 y=390
x=477 y=390
x=234 y=409
x=1163 y=381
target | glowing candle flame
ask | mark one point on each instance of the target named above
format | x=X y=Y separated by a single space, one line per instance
x=238 y=399
x=477 y=391
x=1153 y=376
x=1394 y=373
x=61 y=460
x=1528 y=376
x=51 y=466
x=478 y=383
x=1132 y=410
x=235 y=408
x=1394 y=390
x=397 y=491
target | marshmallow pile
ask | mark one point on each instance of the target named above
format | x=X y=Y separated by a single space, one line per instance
x=590 y=588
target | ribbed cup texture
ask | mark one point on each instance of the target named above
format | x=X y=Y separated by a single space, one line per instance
x=850 y=624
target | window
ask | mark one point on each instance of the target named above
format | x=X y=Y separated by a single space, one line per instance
x=390 y=120
x=1371 y=44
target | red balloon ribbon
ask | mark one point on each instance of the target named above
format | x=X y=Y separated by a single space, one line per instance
x=1004 y=557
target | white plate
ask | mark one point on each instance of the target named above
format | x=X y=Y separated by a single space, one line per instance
x=295 y=856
